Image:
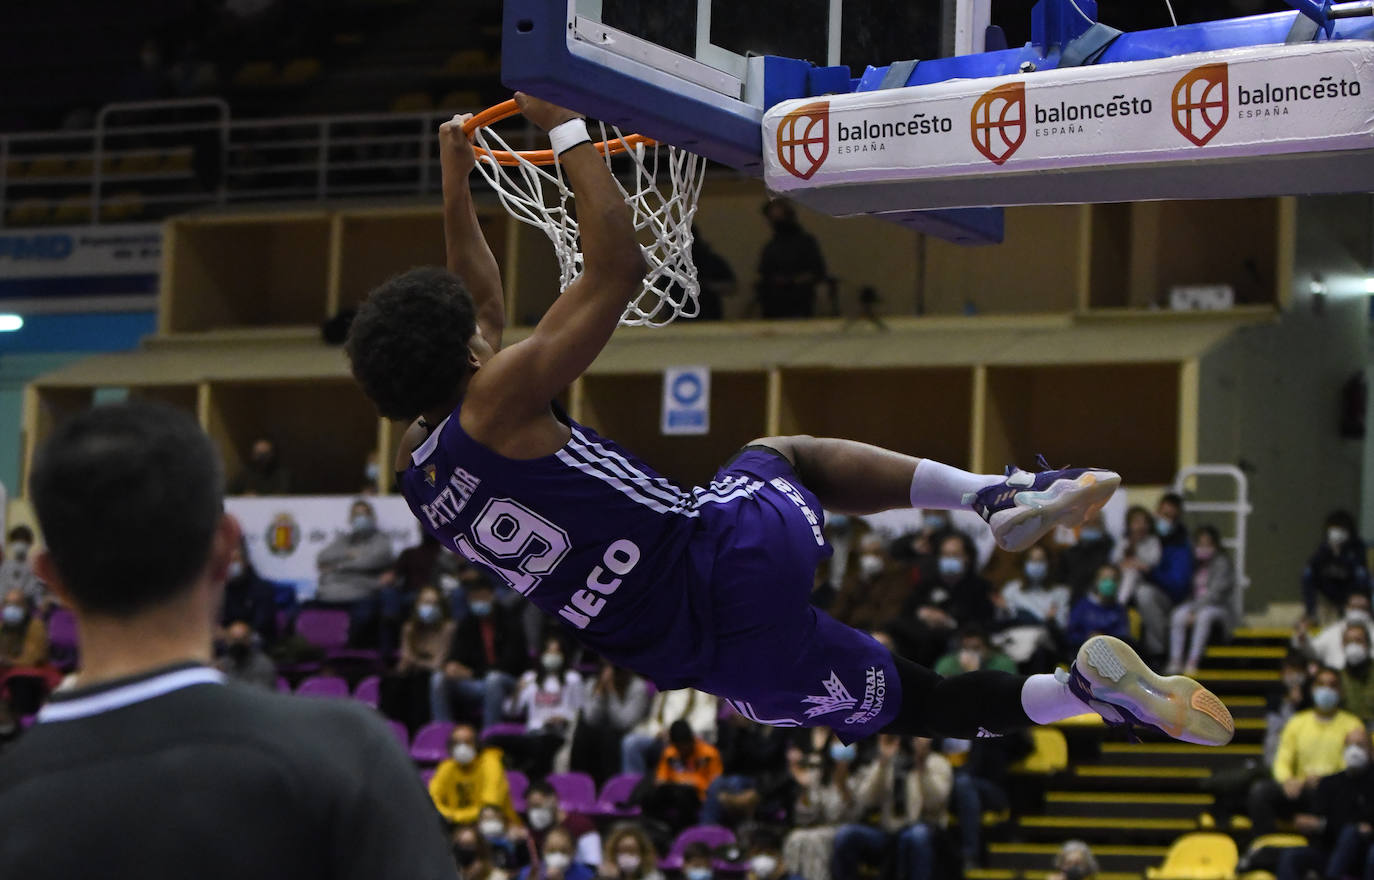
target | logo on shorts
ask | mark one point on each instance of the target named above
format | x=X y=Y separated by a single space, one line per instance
x=998 y=121
x=875 y=694
x=283 y=535
x=837 y=698
x=1200 y=103
x=804 y=139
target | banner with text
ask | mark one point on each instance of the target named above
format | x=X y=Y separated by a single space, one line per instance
x=117 y=266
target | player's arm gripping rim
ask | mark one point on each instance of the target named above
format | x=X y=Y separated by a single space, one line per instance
x=507 y=406
x=469 y=255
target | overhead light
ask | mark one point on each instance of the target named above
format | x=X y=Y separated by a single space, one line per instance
x=10 y=323
x=1369 y=284
x=1317 y=287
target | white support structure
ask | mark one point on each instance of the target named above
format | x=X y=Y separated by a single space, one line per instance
x=1239 y=508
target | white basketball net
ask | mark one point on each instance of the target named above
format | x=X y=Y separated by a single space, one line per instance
x=663 y=210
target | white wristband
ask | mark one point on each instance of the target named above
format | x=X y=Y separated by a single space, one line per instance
x=565 y=136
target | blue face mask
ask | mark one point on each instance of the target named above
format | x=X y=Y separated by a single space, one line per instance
x=934 y=522
x=951 y=566
x=13 y=615
x=362 y=523
x=842 y=752
x=1325 y=698
x=838 y=521
x=1090 y=534
x=427 y=612
x=698 y=873
x=481 y=607
x=1036 y=570
x=1164 y=527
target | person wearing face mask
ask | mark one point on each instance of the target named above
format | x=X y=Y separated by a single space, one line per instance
x=26 y=674
x=974 y=653
x=825 y=800
x=508 y=841
x=1337 y=568
x=473 y=856
x=15 y=571
x=1074 y=861
x=264 y=474
x=1212 y=603
x=949 y=593
x=1311 y=746
x=424 y=639
x=1033 y=612
x=1169 y=582
x=1080 y=561
x=1327 y=646
x=544 y=814
x=1357 y=684
x=243 y=659
x=697 y=862
x=1098 y=613
x=558 y=860
x=685 y=772
x=470 y=779
x=351 y=568
x=550 y=698
x=424 y=564
x=790 y=266
x=1338 y=824
x=1140 y=552
x=876 y=589
x=250 y=597
x=765 y=857
x=629 y=855
x=484 y=660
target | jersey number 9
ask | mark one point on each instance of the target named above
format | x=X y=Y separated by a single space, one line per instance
x=517 y=542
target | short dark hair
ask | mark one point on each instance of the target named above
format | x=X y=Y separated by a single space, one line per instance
x=1171 y=498
x=409 y=341
x=21 y=533
x=1211 y=532
x=680 y=732
x=128 y=497
x=1341 y=518
x=696 y=850
x=542 y=787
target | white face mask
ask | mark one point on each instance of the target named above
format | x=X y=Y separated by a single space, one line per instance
x=491 y=828
x=1357 y=615
x=763 y=865
x=19 y=551
x=464 y=753
x=1355 y=757
x=1355 y=654
x=557 y=861
x=1336 y=536
x=627 y=862
x=870 y=565
x=540 y=818
x=235 y=570
x=552 y=661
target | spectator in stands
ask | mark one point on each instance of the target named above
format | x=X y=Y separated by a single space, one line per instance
x=951 y=595
x=1337 y=570
x=484 y=659
x=1357 y=684
x=1074 y=861
x=250 y=597
x=902 y=799
x=473 y=856
x=974 y=653
x=1080 y=561
x=469 y=780
x=629 y=855
x=980 y=786
x=790 y=266
x=825 y=800
x=372 y=476
x=1327 y=647
x=550 y=698
x=1033 y=612
x=243 y=657
x=350 y=570
x=1169 y=582
x=641 y=747
x=427 y=563
x=15 y=572
x=557 y=861
x=686 y=770
x=507 y=839
x=714 y=274
x=616 y=701
x=1312 y=746
x=697 y=862
x=1099 y=612
x=1140 y=552
x=920 y=547
x=876 y=590
x=424 y=639
x=765 y=857
x=1290 y=698
x=754 y=782
x=26 y=675
x=264 y=473
x=1212 y=603
x=1338 y=825
x=544 y=814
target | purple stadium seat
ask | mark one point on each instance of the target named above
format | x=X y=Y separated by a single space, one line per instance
x=283 y=685
x=369 y=691
x=62 y=639
x=430 y=745
x=616 y=790
x=519 y=784
x=401 y=733
x=507 y=729
x=325 y=628
x=322 y=686
x=711 y=835
x=576 y=791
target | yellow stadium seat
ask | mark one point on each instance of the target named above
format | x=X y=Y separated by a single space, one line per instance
x=300 y=70
x=1135 y=625
x=1202 y=855
x=125 y=205
x=30 y=212
x=1050 y=753
x=73 y=209
x=16 y=168
x=48 y=166
x=256 y=73
x=412 y=102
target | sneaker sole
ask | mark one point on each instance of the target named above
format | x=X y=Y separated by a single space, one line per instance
x=1175 y=704
x=1065 y=503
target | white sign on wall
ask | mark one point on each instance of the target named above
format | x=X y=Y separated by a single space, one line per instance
x=686 y=400
x=286 y=533
x=115 y=265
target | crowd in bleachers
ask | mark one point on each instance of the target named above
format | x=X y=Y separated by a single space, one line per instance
x=545 y=761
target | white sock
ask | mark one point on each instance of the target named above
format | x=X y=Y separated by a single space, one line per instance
x=1046 y=700
x=941 y=487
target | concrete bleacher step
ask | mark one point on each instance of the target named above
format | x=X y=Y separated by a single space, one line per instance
x=1265 y=657
x=1242 y=706
x=1125 y=804
x=1114 y=858
x=1104 y=829
x=1151 y=754
x=1139 y=777
x=1261 y=635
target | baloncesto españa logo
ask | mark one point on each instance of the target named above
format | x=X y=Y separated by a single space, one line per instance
x=804 y=139
x=998 y=121
x=1200 y=104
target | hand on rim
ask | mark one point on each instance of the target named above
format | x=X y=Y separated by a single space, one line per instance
x=543 y=114
x=455 y=147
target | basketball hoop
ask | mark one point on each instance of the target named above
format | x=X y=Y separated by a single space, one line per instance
x=531 y=186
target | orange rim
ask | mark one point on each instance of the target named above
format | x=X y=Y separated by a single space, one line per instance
x=507 y=109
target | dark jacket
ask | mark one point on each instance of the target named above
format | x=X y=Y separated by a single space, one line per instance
x=1341 y=799
x=252 y=598
x=469 y=648
x=1335 y=574
x=1089 y=617
x=968 y=601
x=1174 y=573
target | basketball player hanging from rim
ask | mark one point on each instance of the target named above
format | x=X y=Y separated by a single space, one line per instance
x=706 y=588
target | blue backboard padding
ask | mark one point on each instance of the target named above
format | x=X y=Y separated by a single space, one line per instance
x=829 y=81
x=1055 y=23
x=785 y=79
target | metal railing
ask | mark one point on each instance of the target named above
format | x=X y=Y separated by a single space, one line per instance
x=1238 y=507
x=146 y=160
